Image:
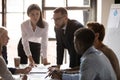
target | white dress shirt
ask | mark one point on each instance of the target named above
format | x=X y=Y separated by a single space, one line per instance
x=40 y=35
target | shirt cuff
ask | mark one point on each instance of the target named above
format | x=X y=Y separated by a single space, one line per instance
x=70 y=76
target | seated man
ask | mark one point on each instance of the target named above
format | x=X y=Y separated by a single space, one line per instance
x=14 y=70
x=94 y=64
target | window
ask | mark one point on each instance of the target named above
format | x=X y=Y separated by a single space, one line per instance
x=15 y=14
x=78 y=9
x=0 y=12
x=54 y=3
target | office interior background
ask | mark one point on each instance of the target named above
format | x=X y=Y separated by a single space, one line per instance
x=13 y=13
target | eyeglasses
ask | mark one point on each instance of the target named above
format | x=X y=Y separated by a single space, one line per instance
x=57 y=19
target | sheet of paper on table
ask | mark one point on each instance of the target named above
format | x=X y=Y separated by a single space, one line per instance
x=39 y=70
x=37 y=73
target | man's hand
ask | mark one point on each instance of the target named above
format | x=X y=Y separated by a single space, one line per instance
x=54 y=73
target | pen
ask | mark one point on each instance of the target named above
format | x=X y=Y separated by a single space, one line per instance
x=51 y=73
x=46 y=76
x=37 y=72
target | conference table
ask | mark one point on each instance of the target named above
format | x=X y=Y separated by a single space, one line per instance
x=37 y=73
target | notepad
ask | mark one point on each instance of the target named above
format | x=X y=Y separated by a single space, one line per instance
x=39 y=70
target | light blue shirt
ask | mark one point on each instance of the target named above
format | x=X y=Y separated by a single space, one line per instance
x=94 y=66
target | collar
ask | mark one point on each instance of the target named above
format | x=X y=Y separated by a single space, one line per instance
x=88 y=51
x=64 y=27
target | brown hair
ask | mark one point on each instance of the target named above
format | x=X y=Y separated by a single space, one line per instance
x=36 y=7
x=97 y=28
x=62 y=10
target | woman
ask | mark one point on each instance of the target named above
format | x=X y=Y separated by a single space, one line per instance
x=4 y=72
x=34 y=37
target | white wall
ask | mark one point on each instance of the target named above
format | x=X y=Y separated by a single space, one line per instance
x=111 y=38
x=103 y=9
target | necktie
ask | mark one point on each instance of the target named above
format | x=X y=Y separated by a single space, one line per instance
x=63 y=31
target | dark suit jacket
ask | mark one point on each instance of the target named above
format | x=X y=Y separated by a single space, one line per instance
x=4 y=54
x=65 y=40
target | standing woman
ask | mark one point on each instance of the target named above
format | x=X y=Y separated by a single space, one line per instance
x=34 y=37
x=4 y=72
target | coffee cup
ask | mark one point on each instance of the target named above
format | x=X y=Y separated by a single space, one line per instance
x=17 y=62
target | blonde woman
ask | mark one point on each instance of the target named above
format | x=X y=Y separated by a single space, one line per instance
x=4 y=72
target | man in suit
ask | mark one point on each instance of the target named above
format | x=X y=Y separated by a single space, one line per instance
x=64 y=30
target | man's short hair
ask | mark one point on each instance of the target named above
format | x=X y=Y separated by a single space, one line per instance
x=62 y=10
x=85 y=35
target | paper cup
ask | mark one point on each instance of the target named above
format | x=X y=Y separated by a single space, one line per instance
x=17 y=62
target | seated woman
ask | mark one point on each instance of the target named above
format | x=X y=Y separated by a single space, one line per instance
x=4 y=72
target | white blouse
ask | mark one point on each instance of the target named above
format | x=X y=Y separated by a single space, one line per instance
x=40 y=35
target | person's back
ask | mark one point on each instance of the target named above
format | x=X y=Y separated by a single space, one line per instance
x=95 y=66
x=113 y=59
